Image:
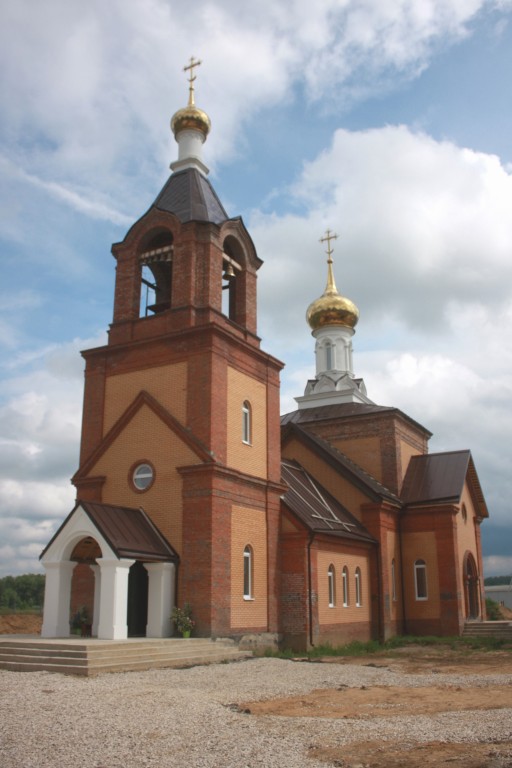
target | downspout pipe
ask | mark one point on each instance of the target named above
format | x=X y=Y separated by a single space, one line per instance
x=402 y=582
x=310 y=589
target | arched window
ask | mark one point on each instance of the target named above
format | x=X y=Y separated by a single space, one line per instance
x=330 y=356
x=331 y=584
x=248 y=573
x=359 y=601
x=155 y=260
x=246 y=423
x=232 y=269
x=393 y=580
x=344 y=580
x=420 y=579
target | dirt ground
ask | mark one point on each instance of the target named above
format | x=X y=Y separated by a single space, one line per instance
x=21 y=624
x=382 y=701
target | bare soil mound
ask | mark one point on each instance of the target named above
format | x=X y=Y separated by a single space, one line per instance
x=21 y=624
x=368 y=702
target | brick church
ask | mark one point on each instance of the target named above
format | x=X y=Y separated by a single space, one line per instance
x=328 y=524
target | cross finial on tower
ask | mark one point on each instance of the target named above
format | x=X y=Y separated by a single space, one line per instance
x=327 y=239
x=190 y=68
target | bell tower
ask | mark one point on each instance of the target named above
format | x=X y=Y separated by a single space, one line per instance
x=181 y=407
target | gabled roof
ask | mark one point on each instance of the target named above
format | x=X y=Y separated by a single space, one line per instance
x=129 y=532
x=440 y=477
x=341 y=463
x=343 y=411
x=143 y=399
x=316 y=508
x=190 y=197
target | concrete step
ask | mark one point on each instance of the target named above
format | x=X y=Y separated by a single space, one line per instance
x=91 y=657
x=499 y=629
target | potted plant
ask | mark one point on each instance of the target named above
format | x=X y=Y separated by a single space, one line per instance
x=182 y=618
x=81 y=622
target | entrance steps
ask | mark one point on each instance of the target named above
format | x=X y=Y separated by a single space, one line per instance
x=89 y=656
x=499 y=629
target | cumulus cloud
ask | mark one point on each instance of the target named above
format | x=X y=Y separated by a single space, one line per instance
x=424 y=251
x=87 y=90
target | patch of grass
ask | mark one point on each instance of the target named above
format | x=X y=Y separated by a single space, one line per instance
x=357 y=648
x=4 y=611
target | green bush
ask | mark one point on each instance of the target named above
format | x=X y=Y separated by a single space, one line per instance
x=493 y=610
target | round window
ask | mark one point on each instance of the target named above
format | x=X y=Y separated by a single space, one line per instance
x=143 y=476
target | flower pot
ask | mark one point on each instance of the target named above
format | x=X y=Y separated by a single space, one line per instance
x=185 y=632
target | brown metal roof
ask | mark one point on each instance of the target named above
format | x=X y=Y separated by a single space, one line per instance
x=129 y=532
x=316 y=508
x=190 y=196
x=342 y=464
x=440 y=477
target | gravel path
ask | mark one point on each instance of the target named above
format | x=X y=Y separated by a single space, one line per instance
x=188 y=717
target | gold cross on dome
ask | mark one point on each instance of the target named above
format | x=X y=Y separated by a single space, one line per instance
x=327 y=239
x=190 y=68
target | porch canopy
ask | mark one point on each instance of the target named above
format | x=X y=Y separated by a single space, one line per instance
x=110 y=539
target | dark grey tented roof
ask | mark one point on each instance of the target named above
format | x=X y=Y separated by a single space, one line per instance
x=190 y=196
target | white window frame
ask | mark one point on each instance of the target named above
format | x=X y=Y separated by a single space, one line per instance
x=344 y=581
x=143 y=476
x=246 y=423
x=248 y=574
x=420 y=566
x=331 y=586
x=359 y=600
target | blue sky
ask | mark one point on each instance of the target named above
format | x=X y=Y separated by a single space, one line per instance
x=387 y=121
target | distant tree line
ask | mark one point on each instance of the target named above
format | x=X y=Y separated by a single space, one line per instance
x=19 y=593
x=495 y=581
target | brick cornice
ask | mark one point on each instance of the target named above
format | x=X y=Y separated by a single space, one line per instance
x=233 y=475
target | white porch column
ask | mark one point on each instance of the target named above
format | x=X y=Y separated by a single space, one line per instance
x=161 y=585
x=113 y=598
x=97 y=599
x=57 y=595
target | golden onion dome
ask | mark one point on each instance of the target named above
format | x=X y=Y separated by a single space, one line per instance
x=192 y=118
x=331 y=308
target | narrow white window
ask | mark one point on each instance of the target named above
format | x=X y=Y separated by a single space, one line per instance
x=344 y=581
x=330 y=354
x=248 y=573
x=358 y=588
x=331 y=584
x=246 y=422
x=420 y=579
x=393 y=580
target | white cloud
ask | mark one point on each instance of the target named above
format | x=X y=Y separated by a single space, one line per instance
x=497 y=565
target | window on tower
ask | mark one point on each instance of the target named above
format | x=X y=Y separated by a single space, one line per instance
x=246 y=423
x=248 y=573
x=330 y=356
x=155 y=260
x=231 y=268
